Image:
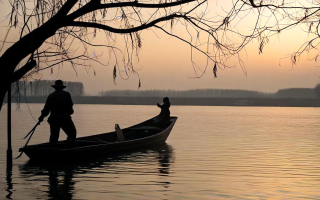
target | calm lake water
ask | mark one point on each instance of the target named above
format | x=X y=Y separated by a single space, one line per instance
x=211 y=153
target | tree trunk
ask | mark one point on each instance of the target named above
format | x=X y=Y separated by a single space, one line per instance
x=5 y=77
x=20 y=50
x=3 y=92
x=28 y=44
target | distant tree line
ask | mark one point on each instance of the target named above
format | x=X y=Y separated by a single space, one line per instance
x=43 y=88
x=308 y=93
x=197 y=93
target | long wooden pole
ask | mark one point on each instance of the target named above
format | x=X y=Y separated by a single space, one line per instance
x=9 y=150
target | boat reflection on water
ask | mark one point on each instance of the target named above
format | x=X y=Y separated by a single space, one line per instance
x=63 y=178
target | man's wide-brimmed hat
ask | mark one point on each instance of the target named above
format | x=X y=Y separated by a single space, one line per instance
x=58 y=84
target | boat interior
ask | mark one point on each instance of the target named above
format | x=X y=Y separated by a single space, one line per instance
x=142 y=130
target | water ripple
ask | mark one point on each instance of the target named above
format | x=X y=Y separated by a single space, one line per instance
x=212 y=153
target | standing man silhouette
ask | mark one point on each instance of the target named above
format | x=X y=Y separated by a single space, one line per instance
x=59 y=105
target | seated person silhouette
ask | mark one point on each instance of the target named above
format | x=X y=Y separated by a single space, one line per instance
x=164 y=115
x=59 y=105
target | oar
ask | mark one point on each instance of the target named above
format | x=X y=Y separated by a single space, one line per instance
x=30 y=133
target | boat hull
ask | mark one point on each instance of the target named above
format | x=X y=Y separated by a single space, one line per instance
x=38 y=152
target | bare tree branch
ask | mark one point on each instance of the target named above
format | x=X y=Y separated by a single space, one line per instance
x=17 y=75
x=92 y=6
x=127 y=30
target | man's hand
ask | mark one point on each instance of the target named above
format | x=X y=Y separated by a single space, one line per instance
x=41 y=119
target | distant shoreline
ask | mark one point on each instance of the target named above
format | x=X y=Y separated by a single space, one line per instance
x=271 y=102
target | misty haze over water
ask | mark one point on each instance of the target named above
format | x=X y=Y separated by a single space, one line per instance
x=43 y=88
x=37 y=92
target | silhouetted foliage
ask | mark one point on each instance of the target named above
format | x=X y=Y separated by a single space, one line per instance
x=296 y=93
x=48 y=31
x=304 y=93
x=198 y=93
x=55 y=32
x=43 y=88
x=317 y=90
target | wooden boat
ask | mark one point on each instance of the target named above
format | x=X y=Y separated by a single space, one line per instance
x=137 y=136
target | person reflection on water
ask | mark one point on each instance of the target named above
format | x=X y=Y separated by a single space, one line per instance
x=59 y=104
x=164 y=115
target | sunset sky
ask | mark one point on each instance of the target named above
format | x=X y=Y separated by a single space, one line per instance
x=165 y=64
